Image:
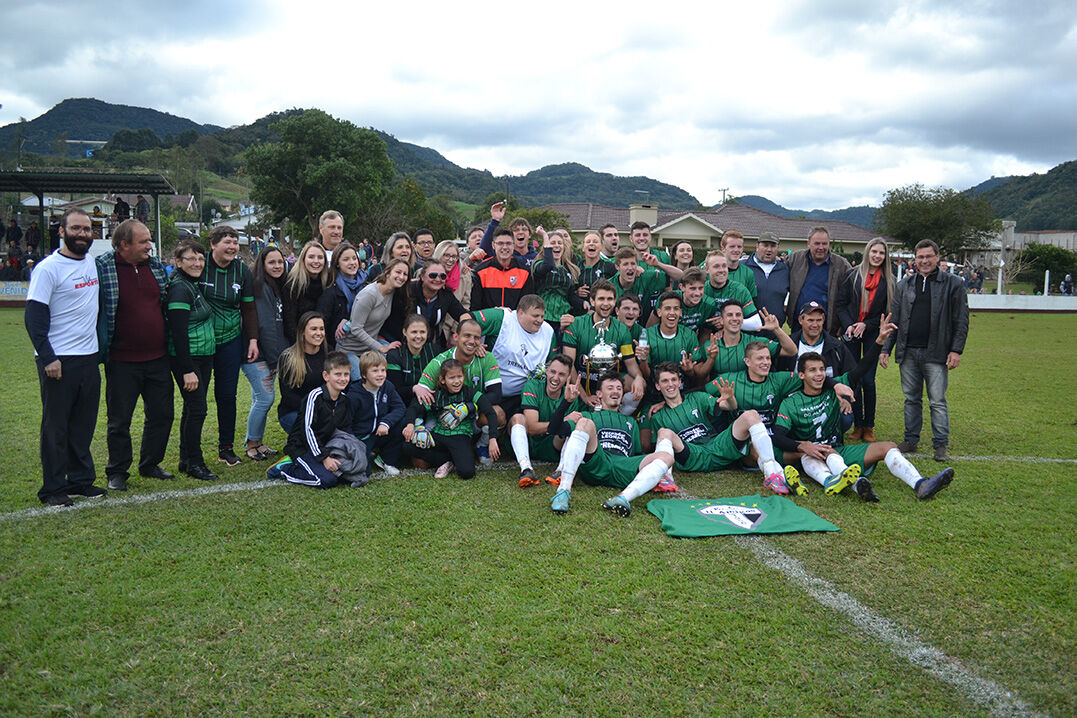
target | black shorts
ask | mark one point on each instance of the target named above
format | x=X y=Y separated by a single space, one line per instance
x=511 y=406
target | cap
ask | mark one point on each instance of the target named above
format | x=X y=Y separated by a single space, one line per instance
x=768 y=237
x=811 y=307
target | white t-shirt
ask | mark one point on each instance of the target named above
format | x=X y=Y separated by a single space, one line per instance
x=69 y=288
x=803 y=349
x=519 y=353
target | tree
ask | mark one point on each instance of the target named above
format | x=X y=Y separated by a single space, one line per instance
x=1035 y=259
x=953 y=220
x=320 y=163
x=482 y=214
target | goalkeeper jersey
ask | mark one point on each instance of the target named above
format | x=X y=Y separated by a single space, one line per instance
x=462 y=402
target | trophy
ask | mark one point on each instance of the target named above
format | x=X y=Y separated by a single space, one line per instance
x=602 y=357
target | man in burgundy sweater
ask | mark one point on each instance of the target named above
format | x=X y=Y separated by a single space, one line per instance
x=131 y=334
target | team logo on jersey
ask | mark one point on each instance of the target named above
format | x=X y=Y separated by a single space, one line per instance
x=770 y=398
x=512 y=280
x=695 y=413
x=745 y=517
x=235 y=288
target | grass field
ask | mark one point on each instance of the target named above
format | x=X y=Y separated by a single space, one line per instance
x=423 y=597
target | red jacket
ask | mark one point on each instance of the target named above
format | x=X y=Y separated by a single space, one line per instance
x=495 y=286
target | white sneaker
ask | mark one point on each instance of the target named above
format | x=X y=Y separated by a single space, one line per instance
x=390 y=470
x=444 y=470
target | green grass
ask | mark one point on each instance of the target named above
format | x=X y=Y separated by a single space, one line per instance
x=417 y=596
x=214 y=185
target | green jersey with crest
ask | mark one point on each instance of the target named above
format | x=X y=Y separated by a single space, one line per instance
x=813 y=418
x=763 y=396
x=662 y=349
x=647 y=287
x=731 y=359
x=692 y=420
x=582 y=336
x=694 y=317
x=534 y=396
x=617 y=434
x=480 y=373
x=744 y=275
x=731 y=290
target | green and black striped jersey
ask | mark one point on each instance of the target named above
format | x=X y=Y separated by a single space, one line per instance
x=731 y=290
x=731 y=359
x=617 y=434
x=763 y=396
x=582 y=336
x=599 y=270
x=224 y=290
x=744 y=275
x=694 y=317
x=693 y=420
x=662 y=349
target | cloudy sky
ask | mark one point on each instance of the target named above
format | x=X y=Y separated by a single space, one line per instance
x=819 y=104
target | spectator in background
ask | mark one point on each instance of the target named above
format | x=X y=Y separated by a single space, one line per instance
x=771 y=275
x=592 y=266
x=13 y=233
x=304 y=286
x=406 y=362
x=32 y=236
x=523 y=248
x=121 y=210
x=501 y=280
x=556 y=280
x=1067 y=286
x=435 y=301
x=142 y=209
x=398 y=246
x=370 y=310
x=681 y=256
x=61 y=319
x=424 y=247
x=229 y=289
x=611 y=241
x=931 y=312
x=864 y=298
x=815 y=275
x=268 y=275
x=10 y=271
x=131 y=328
x=27 y=270
x=330 y=232
x=469 y=253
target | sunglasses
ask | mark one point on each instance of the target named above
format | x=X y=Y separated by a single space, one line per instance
x=437 y=275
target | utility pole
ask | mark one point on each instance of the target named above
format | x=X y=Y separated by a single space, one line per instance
x=723 y=190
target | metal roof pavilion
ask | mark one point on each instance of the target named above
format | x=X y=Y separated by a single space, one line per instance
x=38 y=183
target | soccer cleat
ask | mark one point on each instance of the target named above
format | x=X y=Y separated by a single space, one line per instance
x=666 y=484
x=228 y=457
x=776 y=483
x=527 y=478
x=559 y=502
x=865 y=491
x=926 y=488
x=793 y=482
x=837 y=483
x=444 y=470
x=618 y=505
x=554 y=479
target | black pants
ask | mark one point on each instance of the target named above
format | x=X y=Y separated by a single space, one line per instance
x=455 y=448
x=194 y=411
x=388 y=447
x=124 y=383
x=68 y=419
x=226 y=363
x=864 y=406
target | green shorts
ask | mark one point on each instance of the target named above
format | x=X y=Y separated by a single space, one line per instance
x=855 y=455
x=543 y=449
x=717 y=453
x=605 y=469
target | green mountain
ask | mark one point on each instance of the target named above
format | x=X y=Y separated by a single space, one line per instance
x=90 y=119
x=862 y=216
x=1047 y=201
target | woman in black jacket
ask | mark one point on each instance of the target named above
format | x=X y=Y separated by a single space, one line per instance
x=300 y=366
x=864 y=296
x=434 y=301
x=304 y=286
x=268 y=273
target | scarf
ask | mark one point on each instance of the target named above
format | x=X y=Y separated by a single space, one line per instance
x=453 y=280
x=871 y=283
x=350 y=287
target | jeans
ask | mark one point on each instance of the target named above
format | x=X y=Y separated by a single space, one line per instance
x=864 y=406
x=287 y=421
x=125 y=383
x=262 y=395
x=915 y=373
x=226 y=362
x=353 y=359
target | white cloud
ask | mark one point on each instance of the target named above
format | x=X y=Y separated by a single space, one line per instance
x=812 y=104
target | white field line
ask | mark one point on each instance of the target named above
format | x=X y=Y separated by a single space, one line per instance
x=1018 y=459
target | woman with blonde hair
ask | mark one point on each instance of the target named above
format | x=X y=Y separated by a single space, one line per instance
x=557 y=278
x=398 y=246
x=864 y=296
x=304 y=286
x=458 y=280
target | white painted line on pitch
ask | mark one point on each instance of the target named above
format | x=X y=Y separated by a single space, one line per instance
x=982 y=691
x=1020 y=459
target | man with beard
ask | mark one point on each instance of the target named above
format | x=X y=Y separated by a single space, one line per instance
x=61 y=319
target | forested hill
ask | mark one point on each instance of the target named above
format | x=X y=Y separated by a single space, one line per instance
x=1047 y=201
x=862 y=215
x=90 y=119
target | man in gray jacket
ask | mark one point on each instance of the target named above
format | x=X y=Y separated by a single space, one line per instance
x=931 y=311
x=814 y=276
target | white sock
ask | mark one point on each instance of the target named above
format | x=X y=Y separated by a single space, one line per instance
x=816 y=469
x=760 y=439
x=835 y=463
x=771 y=467
x=647 y=478
x=664 y=446
x=629 y=403
x=901 y=467
x=572 y=454
x=518 y=439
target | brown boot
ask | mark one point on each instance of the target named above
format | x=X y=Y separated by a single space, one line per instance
x=868 y=435
x=857 y=434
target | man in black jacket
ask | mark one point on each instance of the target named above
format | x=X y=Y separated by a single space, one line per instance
x=811 y=338
x=931 y=311
x=771 y=276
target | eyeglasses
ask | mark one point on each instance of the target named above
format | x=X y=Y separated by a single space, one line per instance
x=437 y=275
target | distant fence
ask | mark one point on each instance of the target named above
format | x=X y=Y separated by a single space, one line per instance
x=1021 y=303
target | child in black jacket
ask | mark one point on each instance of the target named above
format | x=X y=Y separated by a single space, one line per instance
x=377 y=413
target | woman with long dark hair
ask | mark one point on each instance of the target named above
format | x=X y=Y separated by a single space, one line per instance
x=372 y=307
x=345 y=281
x=865 y=295
x=398 y=246
x=304 y=286
x=268 y=273
x=681 y=256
